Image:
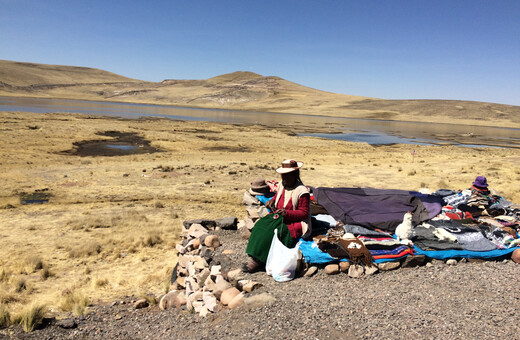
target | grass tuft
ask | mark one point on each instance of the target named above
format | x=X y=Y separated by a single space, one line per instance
x=5 y=316
x=100 y=282
x=31 y=317
x=75 y=302
x=85 y=249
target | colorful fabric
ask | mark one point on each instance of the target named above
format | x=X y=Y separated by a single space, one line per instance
x=262 y=236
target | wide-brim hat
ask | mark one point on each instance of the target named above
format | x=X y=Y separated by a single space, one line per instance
x=289 y=165
x=481 y=182
x=259 y=187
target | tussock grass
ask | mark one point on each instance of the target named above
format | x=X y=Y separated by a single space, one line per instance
x=75 y=302
x=86 y=249
x=5 y=316
x=32 y=263
x=31 y=317
x=20 y=284
x=100 y=224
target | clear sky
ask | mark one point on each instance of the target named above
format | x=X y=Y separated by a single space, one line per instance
x=417 y=49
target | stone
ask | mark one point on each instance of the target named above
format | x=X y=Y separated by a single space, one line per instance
x=196 y=231
x=245 y=233
x=141 y=303
x=204 y=312
x=180 y=248
x=355 y=271
x=197 y=306
x=212 y=241
x=386 y=266
x=67 y=323
x=227 y=223
x=209 y=285
x=451 y=262
x=371 y=270
x=429 y=264
x=192 y=286
x=181 y=281
x=413 y=261
x=228 y=251
x=196 y=243
x=241 y=224
x=174 y=299
x=234 y=274
x=515 y=256
x=344 y=266
x=208 y=224
x=215 y=270
x=184 y=260
x=236 y=301
x=251 y=286
x=258 y=300
x=220 y=286
x=210 y=302
x=200 y=263
x=190 y=268
x=228 y=295
x=249 y=223
x=202 y=276
x=310 y=271
x=332 y=269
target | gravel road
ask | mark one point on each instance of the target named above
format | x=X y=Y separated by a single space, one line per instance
x=466 y=301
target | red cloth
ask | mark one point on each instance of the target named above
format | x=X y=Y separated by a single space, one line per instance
x=293 y=217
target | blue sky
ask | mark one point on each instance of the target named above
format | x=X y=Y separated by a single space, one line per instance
x=416 y=49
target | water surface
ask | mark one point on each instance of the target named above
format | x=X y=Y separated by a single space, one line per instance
x=356 y=130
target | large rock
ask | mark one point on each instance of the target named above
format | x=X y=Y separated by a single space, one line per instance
x=174 y=299
x=451 y=262
x=221 y=285
x=228 y=295
x=355 y=270
x=370 y=270
x=202 y=276
x=386 y=266
x=310 y=271
x=344 y=266
x=413 y=261
x=236 y=301
x=210 y=302
x=208 y=224
x=258 y=300
x=141 y=303
x=196 y=231
x=515 y=256
x=332 y=269
x=227 y=223
x=212 y=241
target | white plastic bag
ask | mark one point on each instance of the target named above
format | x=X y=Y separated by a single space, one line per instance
x=281 y=261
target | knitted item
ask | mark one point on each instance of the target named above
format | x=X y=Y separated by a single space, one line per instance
x=357 y=251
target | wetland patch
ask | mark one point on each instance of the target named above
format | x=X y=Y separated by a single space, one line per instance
x=120 y=144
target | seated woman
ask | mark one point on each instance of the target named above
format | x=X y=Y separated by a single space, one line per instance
x=292 y=204
x=481 y=198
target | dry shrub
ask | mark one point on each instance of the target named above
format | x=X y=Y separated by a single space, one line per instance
x=33 y=263
x=5 y=316
x=20 y=284
x=412 y=173
x=151 y=239
x=75 y=302
x=7 y=298
x=31 y=317
x=46 y=272
x=87 y=249
x=100 y=282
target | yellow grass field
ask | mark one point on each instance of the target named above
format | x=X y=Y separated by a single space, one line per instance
x=111 y=224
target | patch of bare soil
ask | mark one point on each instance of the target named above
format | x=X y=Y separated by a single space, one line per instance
x=121 y=144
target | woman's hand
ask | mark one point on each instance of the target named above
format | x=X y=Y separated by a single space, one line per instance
x=280 y=212
x=270 y=205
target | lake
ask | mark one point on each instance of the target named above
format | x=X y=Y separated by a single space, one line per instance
x=375 y=132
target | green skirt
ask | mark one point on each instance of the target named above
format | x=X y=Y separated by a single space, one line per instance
x=262 y=236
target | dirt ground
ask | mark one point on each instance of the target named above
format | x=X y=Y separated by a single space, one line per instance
x=111 y=222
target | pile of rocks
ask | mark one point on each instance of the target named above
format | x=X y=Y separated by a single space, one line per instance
x=255 y=210
x=203 y=282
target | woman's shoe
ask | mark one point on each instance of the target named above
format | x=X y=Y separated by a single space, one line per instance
x=252 y=266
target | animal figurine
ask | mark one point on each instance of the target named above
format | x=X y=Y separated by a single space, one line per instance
x=404 y=230
x=444 y=235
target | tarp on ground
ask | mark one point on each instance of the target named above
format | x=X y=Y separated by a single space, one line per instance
x=377 y=208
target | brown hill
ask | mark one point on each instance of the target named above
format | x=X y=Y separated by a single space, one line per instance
x=241 y=91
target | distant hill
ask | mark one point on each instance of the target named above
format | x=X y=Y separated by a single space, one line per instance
x=242 y=91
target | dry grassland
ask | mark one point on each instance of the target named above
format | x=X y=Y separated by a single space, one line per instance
x=110 y=227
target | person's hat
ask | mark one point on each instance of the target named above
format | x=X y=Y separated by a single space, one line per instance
x=259 y=187
x=289 y=165
x=481 y=182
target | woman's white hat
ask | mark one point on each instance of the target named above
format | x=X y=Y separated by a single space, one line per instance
x=289 y=165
